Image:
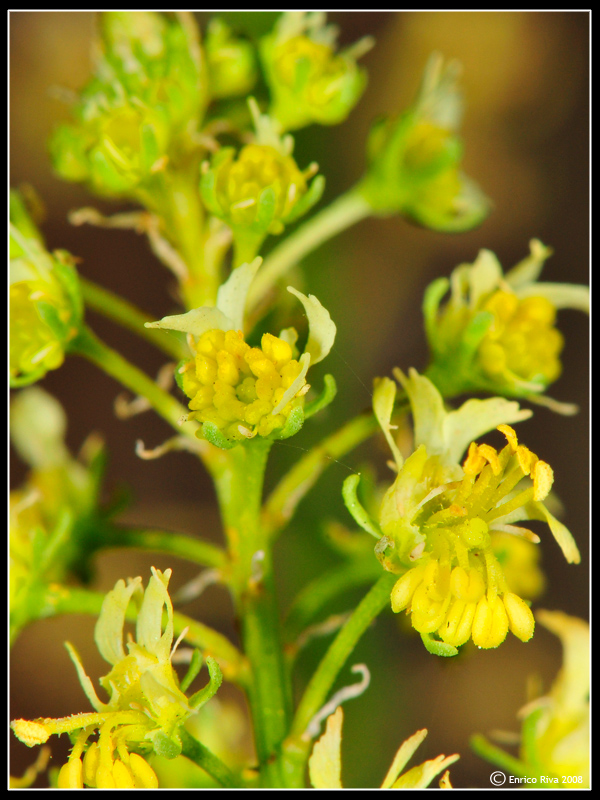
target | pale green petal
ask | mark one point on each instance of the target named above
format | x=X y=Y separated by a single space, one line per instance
x=560 y=532
x=427 y=409
x=304 y=362
x=108 y=633
x=321 y=328
x=384 y=395
x=197 y=321
x=528 y=270
x=484 y=276
x=476 y=417
x=405 y=753
x=232 y=295
x=571 y=688
x=325 y=763
x=420 y=777
x=21 y=270
x=561 y=295
x=38 y=425
x=84 y=680
x=149 y=622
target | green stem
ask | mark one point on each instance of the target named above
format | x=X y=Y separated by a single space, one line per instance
x=187 y=547
x=55 y=599
x=129 y=316
x=495 y=755
x=345 y=211
x=203 y=757
x=283 y=500
x=89 y=346
x=239 y=490
x=297 y=746
x=320 y=592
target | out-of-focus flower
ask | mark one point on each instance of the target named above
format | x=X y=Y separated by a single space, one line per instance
x=142 y=107
x=146 y=707
x=260 y=190
x=496 y=333
x=46 y=309
x=231 y=62
x=415 y=159
x=238 y=391
x=308 y=81
x=55 y=516
x=555 y=736
x=438 y=517
x=325 y=763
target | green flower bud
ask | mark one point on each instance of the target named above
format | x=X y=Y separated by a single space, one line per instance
x=148 y=93
x=415 y=159
x=260 y=190
x=231 y=62
x=497 y=332
x=309 y=82
x=45 y=303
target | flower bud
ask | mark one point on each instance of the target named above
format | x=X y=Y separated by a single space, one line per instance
x=415 y=159
x=520 y=618
x=70 y=775
x=308 y=81
x=231 y=62
x=45 y=302
x=148 y=91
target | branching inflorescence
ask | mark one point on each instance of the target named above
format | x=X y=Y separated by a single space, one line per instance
x=185 y=130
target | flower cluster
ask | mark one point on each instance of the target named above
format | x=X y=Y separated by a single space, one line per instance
x=141 y=108
x=146 y=705
x=45 y=302
x=497 y=332
x=415 y=159
x=308 y=81
x=238 y=391
x=439 y=518
x=260 y=190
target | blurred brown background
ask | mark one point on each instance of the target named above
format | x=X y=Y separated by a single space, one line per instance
x=526 y=135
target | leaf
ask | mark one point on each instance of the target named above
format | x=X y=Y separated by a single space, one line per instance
x=232 y=295
x=193 y=670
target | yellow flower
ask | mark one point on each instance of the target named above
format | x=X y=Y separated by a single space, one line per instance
x=497 y=332
x=236 y=391
x=146 y=707
x=438 y=518
x=325 y=766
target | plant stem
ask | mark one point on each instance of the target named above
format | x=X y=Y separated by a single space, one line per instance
x=129 y=316
x=239 y=490
x=344 y=212
x=500 y=758
x=187 y=547
x=297 y=746
x=283 y=500
x=89 y=346
x=202 y=756
x=55 y=599
x=322 y=590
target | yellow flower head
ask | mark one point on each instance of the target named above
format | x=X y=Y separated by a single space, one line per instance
x=261 y=189
x=146 y=707
x=497 y=332
x=237 y=391
x=438 y=518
